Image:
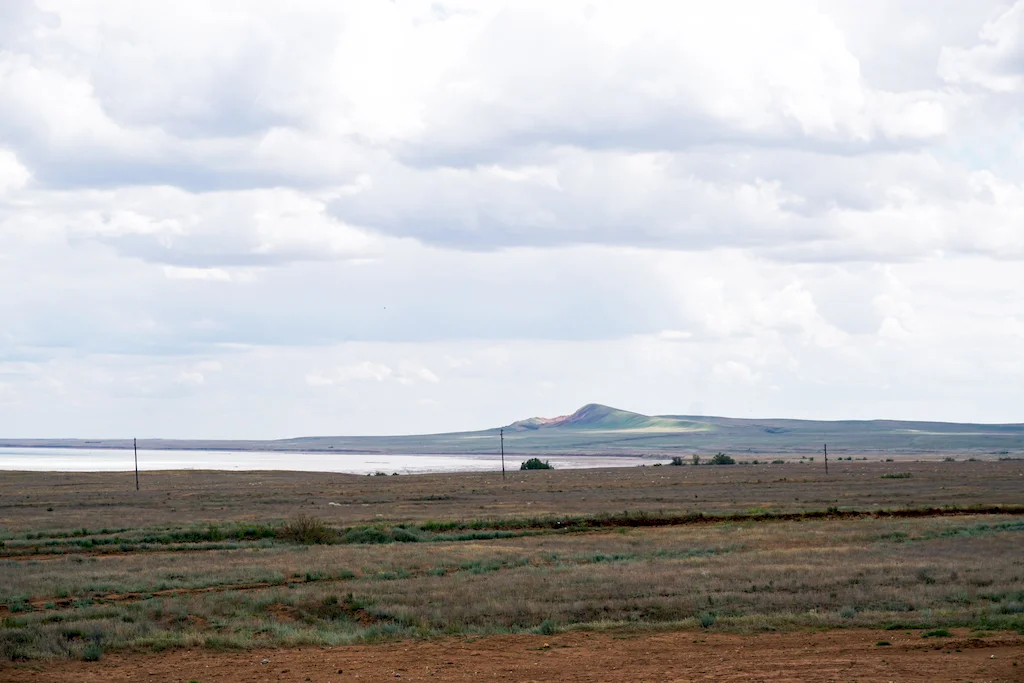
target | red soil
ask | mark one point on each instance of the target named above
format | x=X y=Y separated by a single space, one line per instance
x=850 y=655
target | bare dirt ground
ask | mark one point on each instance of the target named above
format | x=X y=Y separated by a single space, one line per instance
x=847 y=655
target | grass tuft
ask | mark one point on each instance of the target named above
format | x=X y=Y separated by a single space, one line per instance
x=937 y=633
x=307 y=530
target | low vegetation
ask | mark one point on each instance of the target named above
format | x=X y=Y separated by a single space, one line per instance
x=719 y=555
x=308 y=530
x=536 y=464
x=910 y=573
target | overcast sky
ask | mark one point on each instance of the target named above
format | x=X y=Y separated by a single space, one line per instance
x=267 y=219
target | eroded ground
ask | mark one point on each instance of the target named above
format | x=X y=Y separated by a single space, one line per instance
x=848 y=655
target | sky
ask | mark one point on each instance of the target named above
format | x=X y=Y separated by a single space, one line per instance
x=248 y=219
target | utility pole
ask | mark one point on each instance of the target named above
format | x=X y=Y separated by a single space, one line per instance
x=135 y=445
x=501 y=433
x=826 y=459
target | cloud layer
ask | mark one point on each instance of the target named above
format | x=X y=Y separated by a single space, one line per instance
x=246 y=219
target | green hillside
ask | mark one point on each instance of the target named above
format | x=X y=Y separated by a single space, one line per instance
x=599 y=429
x=598 y=417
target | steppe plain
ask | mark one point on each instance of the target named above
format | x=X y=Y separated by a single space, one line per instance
x=898 y=568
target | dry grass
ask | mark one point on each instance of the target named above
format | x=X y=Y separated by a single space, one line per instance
x=177 y=499
x=241 y=584
x=912 y=573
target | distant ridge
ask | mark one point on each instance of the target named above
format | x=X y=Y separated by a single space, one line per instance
x=601 y=429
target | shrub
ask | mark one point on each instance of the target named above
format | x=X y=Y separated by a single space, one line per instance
x=677 y=461
x=406 y=535
x=897 y=475
x=924 y=576
x=778 y=462
x=536 y=464
x=547 y=628
x=308 y=530
x=937 y=633
x=722 y=459
x=367 y=535
x=92 y=652
x=707 y=619
x=696 y=459
x=1012 y=608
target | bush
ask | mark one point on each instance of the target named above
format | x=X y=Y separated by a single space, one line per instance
x=677 y=461
x=722 y=459
x=924 y=576
x=307 y=530
x=536 y=464
x=937 y=633
x=547 y=628
x=897 y=475
x=367 y=535
x=92 y=652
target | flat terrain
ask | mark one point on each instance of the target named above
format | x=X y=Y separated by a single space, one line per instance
x=54 y=501
x=644 y=573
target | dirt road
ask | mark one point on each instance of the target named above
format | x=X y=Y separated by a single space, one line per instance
x=849 y=655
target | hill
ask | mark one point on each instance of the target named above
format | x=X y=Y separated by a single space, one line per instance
x=596 y=428
x=597 y=416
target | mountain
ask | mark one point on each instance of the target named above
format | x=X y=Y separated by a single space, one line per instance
x=600 y=429
x=595 y=416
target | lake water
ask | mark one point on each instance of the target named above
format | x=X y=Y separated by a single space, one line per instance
x=109 y=460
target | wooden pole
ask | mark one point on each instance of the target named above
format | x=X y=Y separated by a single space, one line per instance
x=826 y=458
x=135 y=445
x=501 y=433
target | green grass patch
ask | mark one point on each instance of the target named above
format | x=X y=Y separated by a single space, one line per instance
x=937 y=633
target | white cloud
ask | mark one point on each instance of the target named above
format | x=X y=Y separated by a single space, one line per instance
x=214 y=274
x=731 y=371
x=368 y=371
x=13 y=176
x=454 y=214
x=997 y=61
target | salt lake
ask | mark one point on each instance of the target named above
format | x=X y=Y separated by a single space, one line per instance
x=112 y=460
